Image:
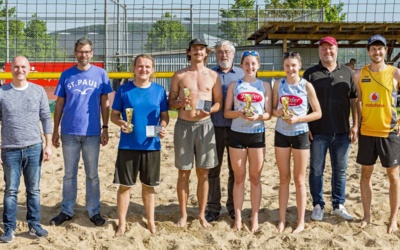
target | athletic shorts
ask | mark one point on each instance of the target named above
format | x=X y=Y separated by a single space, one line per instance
x=301 y=141
x=388 y=150
x=132 y=162
x=246 y=140
x=195 y=140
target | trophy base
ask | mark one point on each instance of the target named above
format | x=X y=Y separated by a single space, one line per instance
x=129 y=128
x=188 y=108
x=248 y=114
x=285 y=117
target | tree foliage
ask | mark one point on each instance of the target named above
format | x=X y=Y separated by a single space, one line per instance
x=167 y=34
x=29 y=39
x=238 y=30
x=332 y=13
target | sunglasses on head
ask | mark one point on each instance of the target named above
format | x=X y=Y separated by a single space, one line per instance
x=250 y=53
x=290 y=54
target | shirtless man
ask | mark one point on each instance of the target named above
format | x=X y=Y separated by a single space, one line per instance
x=377 y=85
x=194 y=132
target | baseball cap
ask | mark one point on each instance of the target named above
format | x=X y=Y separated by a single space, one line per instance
x=376 y=38
x=327 y=39
x=197 y=41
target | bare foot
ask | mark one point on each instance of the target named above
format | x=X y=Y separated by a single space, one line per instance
x=152 y=227
x=364 y=223
x=254 y=223
x=300 y=228
x=280 y=227
x=254 y=227
x=392 y=228
x=204 y=222
x=237 y=226
x=121 y=230
x=182 y=222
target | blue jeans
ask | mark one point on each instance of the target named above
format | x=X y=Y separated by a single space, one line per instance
x=27 y=161
x=72 y=145
x=339 y=147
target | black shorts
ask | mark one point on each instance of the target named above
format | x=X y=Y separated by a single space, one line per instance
x=246 y=140
x=130 y=162
x=388 y=150
x=301 y=141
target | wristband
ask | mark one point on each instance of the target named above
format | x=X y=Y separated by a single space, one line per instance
x=104 y=126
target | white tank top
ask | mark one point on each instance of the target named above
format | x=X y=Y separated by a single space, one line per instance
x=257 y=105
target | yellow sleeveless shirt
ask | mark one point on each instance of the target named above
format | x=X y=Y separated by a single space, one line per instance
x=379 y=114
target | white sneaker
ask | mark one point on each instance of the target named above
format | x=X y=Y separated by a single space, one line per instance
x=342 y=212
x=317 y=213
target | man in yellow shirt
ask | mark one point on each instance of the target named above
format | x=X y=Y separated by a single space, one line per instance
x=377 y=85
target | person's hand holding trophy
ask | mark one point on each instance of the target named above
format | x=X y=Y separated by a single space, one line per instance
x=129 y=127
x=186 y=92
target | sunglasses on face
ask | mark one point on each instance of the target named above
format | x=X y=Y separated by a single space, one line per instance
x=290 y=54
x=250 y=53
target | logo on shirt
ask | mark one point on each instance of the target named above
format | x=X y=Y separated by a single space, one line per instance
x=84 y=92
x=374 y=97
x=256 y=97
x=293 y=100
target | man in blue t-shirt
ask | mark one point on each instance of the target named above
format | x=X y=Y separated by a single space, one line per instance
x=82 y=95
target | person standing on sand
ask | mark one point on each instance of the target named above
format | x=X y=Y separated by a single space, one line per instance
x=139 y=152
x=248 y=104
x=82 y=96
x=337 y=95
x=225 y=52
x=194 y=132
x=23 y=106
x=377 y=84
x=291 y=134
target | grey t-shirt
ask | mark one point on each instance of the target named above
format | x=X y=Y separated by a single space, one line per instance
x=21 y=112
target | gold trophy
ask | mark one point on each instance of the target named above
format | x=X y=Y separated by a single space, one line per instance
x=186 y=91
x=247 y=109
x=287 y=114
x=129 y=113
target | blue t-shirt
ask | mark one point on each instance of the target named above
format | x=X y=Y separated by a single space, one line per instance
x=232 y=75
x=82 y=91
x=147 y=104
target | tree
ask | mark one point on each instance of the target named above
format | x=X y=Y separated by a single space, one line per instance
x=239 y=30
x=332 y=13
x=38 y=44
x=167 y=34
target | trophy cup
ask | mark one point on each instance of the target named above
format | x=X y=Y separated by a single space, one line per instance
x=186 y=91
x=285 y=106
x=129 y=113
x=247 y=109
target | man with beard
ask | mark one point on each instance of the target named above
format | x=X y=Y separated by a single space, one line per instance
x=82 y=95
x=377 y=84
x=194 y=132
x=225 y=52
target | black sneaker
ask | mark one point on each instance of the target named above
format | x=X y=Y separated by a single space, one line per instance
x=212 y=216
x=60 y=219
x=97 y=220
x=232 y=214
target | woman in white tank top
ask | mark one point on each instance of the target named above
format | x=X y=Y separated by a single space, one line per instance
x=248 y=103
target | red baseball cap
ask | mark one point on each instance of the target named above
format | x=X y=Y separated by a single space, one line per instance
x=328 y=39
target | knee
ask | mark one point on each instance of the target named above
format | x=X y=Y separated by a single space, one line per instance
x=299 y=183
x=255 y=179
x=316 y=171
x=284 y=179
x=239 y=179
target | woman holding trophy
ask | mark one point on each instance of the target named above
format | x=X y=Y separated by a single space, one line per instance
x=248 y=103
x=140 y=108
x=291 y=96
